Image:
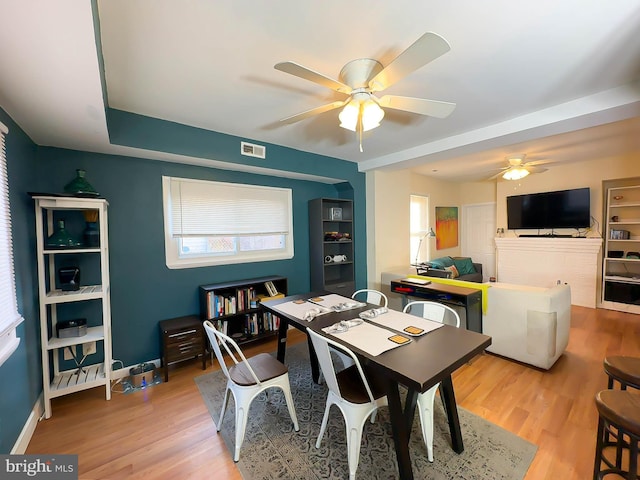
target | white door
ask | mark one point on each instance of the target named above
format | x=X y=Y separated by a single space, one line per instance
x=478 y=232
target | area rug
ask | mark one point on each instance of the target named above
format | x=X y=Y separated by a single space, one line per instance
x=273 y=450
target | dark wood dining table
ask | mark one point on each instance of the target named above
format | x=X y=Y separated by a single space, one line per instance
x=418 y=365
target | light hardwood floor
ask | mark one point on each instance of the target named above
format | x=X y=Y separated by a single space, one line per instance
x=166 y=431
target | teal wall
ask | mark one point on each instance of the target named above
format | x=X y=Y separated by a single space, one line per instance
x=143 y=290
x=21 y=374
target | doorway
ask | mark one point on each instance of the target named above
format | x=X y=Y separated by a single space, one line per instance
x=478 y=232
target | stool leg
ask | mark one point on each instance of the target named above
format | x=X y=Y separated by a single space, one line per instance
x=610 y=383
x=633 y=457
x=619 y=447
x=599 y=447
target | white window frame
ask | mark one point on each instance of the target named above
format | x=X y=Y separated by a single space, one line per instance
x=418 y=228
x=10 y=318
x=174 y=229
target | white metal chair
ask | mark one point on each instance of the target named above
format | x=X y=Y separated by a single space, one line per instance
x=371 y=296
x=246 y=379
x=356 y=395
x=438 y=313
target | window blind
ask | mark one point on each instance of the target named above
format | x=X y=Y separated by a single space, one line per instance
x=9 y=316
x=202 y=208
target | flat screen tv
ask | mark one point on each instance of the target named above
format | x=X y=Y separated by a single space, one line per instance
x=561 y=209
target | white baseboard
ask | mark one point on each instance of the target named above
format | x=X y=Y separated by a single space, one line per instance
x=29 y=427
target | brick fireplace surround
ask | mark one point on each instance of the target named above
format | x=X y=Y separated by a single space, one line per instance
x=542 y=262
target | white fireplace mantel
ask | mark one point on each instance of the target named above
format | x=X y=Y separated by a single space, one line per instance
x=543 y=262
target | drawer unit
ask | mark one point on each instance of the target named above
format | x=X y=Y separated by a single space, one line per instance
x=183 y=338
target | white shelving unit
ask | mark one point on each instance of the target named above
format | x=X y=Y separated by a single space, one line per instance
x=621 y=271
x=57 y=382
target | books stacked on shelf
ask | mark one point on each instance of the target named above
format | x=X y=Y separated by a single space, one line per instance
x=251 y=326
x=244 y=298
x=256 y=324
x=271 y=322
x=230 y=304
x=220 y=326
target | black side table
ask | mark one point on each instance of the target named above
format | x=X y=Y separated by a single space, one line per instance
x=183 y=338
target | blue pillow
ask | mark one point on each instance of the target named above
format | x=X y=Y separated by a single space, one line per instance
x=464 y=265
x=441 y=262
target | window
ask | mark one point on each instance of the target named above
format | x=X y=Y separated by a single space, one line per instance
x=215 y=223
x=419 y=227
x=10 y=318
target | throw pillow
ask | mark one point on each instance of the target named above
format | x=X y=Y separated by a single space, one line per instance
x=453 y=270
x=464 y=265
x=441 y=262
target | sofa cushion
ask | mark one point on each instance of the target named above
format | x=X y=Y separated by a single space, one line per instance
x=464 y=265
x=453 y=270
x=441 y=262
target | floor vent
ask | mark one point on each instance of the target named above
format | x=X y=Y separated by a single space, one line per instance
x=253 y=150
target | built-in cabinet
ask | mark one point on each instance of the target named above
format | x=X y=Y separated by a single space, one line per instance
x=621 y=268
x=331 y=245
x=73 y=292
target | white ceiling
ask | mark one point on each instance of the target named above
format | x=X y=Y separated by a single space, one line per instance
x=527 y=76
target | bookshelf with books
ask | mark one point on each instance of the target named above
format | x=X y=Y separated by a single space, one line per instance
x=234 y=307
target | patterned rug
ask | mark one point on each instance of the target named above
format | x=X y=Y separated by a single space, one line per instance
x=273 y=450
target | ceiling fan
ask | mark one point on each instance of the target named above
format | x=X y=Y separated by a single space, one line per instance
x=518 y=168
x=360 y=79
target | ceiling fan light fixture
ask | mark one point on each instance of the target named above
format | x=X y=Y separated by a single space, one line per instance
x=368 y=111
x=349 y=115
x=515 y=173
x=372 y=115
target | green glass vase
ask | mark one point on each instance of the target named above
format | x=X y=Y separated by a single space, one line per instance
x=61 y=238
x=80 y=185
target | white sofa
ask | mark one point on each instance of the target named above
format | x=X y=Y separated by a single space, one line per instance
x=528 y=324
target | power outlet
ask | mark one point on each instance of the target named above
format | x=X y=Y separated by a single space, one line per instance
x=89 y=348
x=68 y=353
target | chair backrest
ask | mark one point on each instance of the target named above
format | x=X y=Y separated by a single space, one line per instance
x=433 y=311
x=372 y=296
x=217 y=339
x=323 y=352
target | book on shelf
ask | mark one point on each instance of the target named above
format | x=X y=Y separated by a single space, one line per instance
x=271 y=322
x=220 y=305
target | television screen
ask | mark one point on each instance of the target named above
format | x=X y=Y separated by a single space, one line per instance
x=561 y=209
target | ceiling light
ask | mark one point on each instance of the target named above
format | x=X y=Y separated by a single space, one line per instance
x=364 y=113
x=349 y=116
x=361 y=114
x=515 y=173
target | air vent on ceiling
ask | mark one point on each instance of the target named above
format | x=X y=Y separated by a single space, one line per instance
x=253 y=150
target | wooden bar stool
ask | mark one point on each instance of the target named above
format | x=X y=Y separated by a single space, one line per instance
x=625 y=370
x=619 y=419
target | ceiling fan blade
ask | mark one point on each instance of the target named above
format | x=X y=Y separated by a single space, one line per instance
x=422 y=106
x=308 y=74
x=313 y=111
x=424 y=50
x=534 y=169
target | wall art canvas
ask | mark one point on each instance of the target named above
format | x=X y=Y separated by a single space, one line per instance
x=446 y=227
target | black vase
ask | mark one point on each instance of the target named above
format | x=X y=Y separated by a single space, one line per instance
x=91 y=235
